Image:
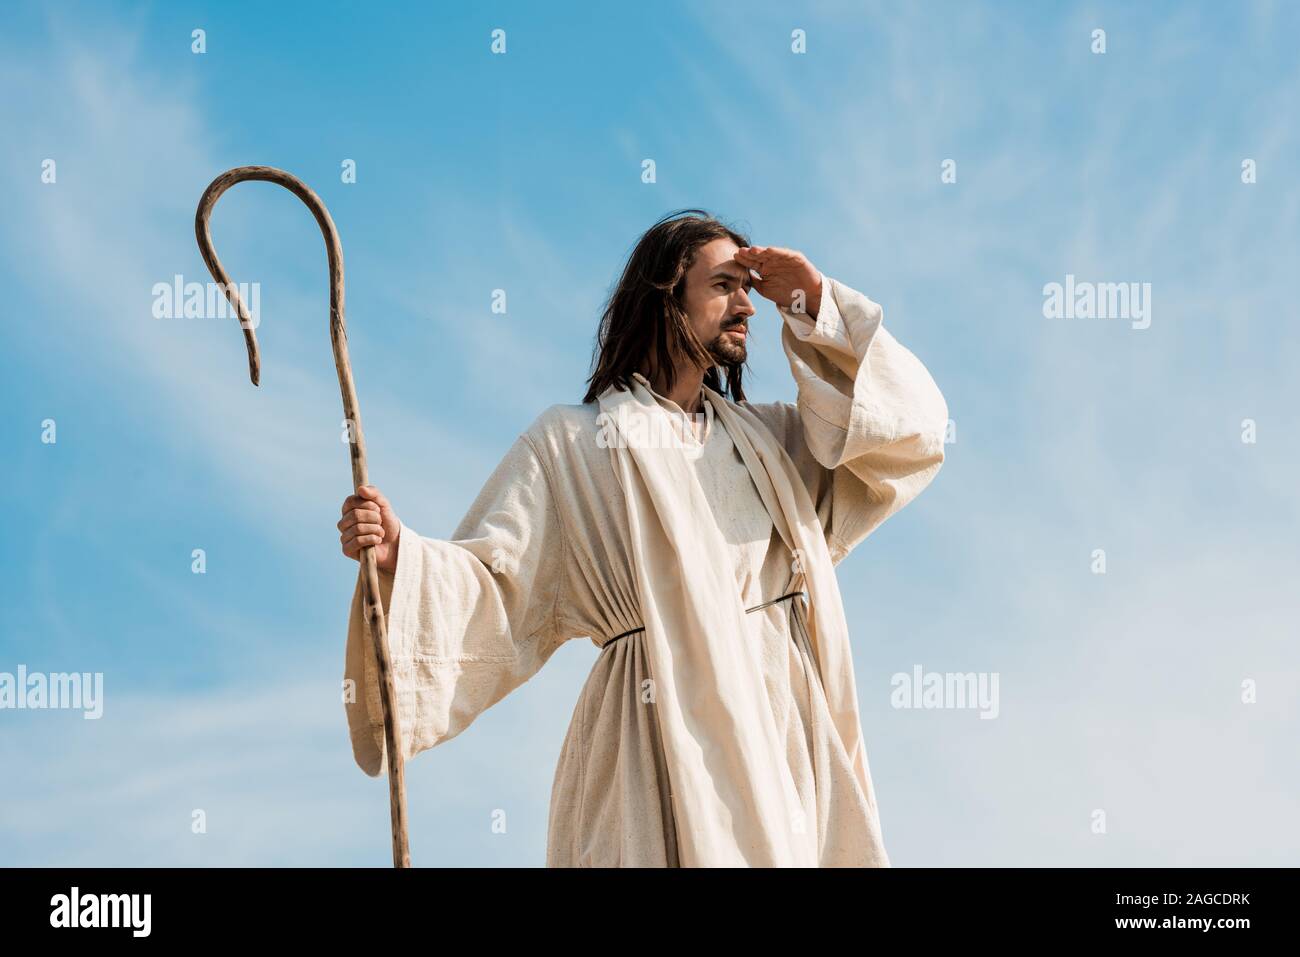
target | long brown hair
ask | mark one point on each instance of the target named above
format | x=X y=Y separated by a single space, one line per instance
x=645 y=310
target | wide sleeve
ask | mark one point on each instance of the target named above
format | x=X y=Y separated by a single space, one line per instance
x=868 y=426
x=469 y=619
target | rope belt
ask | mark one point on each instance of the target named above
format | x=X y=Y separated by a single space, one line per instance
x=747 y=610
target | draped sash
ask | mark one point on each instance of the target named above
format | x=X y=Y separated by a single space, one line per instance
x=733 y=796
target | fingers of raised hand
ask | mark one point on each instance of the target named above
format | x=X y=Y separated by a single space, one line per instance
x=773 y=262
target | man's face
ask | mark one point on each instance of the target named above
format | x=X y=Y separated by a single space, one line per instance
x=717 y=300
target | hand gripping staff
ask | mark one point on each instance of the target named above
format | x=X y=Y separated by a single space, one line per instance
x=374 y=609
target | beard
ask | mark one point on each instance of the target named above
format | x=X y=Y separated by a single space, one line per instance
x=726 y=348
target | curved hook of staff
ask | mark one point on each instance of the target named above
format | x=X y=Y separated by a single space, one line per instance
x=373 y=605
x=333 y=248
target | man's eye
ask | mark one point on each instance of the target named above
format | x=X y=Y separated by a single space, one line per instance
x=721 y=283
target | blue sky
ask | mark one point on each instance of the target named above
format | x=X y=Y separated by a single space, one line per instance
x=1119 y=692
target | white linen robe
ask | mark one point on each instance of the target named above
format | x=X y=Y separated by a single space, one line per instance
x=542 y=556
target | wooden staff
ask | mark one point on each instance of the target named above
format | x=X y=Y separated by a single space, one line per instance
x=376 y=626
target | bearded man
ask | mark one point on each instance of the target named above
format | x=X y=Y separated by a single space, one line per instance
x=691 y=535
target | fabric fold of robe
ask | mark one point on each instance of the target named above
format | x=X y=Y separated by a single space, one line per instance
x=733 y=799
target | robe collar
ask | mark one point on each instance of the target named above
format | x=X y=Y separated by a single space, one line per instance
x=676 y=409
